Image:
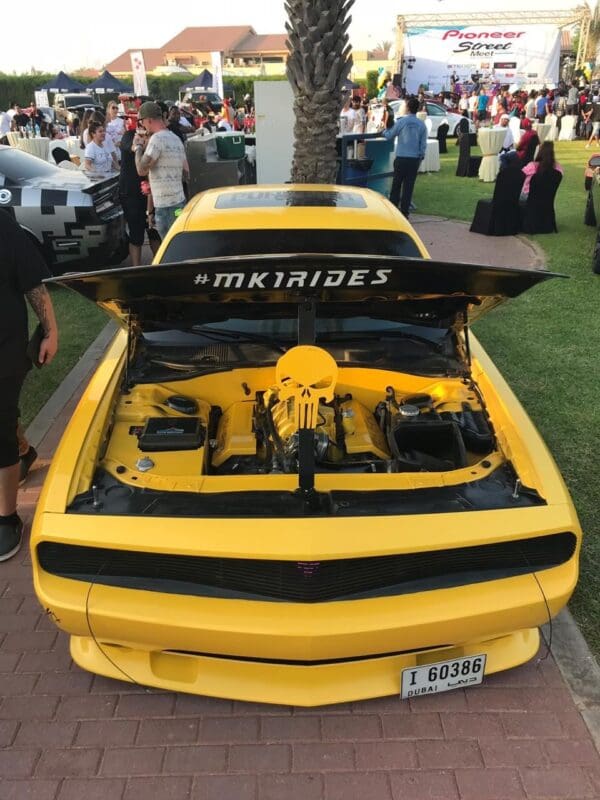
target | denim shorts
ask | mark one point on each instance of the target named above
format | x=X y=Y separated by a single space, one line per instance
x=165 y=217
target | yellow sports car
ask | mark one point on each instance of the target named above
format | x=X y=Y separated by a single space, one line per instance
x=296 y=477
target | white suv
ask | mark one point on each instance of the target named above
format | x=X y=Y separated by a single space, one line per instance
x=437 y=114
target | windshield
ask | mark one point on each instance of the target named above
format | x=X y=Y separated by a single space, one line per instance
x=18 y=167
x=79 y=100
x=287 y=328
x=368 y=341
x=213 y=244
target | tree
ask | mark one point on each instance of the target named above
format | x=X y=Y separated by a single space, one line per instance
x=382 y=49
x=593 y=37
x=318 y=65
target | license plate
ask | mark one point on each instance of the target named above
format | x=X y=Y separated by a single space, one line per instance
x=442 y=676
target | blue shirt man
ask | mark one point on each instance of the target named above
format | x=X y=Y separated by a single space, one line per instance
x=482 y=104
x=541 y=107
x=411 y=146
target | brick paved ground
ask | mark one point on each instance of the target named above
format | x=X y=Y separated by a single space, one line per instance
x=68 y=735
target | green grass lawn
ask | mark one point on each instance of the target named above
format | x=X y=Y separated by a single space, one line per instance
x=79 y=322
x=546 y=344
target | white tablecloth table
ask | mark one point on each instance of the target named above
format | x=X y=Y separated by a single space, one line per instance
x=551 y=120
x=431 y=162
x=514 y=124
x=567 y=128
x=13 y=137
x=542 y=129
x=490 y=141
x=36 y=147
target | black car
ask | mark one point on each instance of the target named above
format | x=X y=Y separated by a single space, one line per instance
x=77 y=222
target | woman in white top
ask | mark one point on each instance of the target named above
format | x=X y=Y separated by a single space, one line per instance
x=473 y=105
x=115 y=126
x=98 y=116
x=99 y=158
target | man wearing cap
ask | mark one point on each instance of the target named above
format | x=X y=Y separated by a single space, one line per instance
x=161 y=156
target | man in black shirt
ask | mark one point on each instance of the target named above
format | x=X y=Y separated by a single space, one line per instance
x=133 y=201
x=22 y=270
x=19 y=119
x=174 y=123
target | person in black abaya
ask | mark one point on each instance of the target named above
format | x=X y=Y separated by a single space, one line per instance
x=500 y=216
x=464 y=151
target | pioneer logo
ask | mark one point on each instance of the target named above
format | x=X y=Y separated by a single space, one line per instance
x=484 y=47
x=294 y=279
x=457 y=34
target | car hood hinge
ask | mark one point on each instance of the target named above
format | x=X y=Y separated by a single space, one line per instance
x=132 y=334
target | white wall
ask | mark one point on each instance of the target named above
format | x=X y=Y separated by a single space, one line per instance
x=274 y=101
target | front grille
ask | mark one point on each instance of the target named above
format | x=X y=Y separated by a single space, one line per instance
x=306 y=581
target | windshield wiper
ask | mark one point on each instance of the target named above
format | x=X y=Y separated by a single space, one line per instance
x=235 y=337
x=383 y=334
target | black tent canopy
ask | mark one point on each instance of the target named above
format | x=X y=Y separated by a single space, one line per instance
x=198 y=83
x=107 y=83
x=63 y=83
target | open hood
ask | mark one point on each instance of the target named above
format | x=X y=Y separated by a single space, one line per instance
x=412 y=290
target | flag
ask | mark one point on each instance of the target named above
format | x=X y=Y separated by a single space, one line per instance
x=217 y=71
x=138 y=68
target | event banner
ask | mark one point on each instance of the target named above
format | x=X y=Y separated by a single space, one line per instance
x=138 y=69
x=217 y=68
x=523 y=55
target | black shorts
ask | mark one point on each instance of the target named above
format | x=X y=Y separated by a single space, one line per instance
x=9 y=416
x=134 y=209
x=481 y=115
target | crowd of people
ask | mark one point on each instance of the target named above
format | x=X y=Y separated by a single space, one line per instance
x=484 y=106
x=146 y=148
x=188 y=117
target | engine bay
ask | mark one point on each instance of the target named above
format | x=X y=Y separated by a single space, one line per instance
x=407 y=435
x=249 y=422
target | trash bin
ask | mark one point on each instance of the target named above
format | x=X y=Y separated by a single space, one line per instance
x=231 y=146
x=357 y=171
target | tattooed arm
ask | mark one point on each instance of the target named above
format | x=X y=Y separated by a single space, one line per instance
x=40 y=301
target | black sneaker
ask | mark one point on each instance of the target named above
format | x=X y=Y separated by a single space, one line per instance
x=10 y=539
x=25 y=463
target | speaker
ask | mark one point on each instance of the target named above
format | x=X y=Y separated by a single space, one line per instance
x=397 y=80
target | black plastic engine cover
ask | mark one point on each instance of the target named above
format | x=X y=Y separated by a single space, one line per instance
x=162 y=434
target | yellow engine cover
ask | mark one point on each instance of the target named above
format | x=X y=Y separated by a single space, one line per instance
x=235 y=434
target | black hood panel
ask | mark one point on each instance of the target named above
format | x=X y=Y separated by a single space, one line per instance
x=426 y=289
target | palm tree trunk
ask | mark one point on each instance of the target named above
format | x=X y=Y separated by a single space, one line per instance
x=317 y=68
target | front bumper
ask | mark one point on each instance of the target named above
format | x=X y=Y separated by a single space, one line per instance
x=305 y=654
x=286 y=684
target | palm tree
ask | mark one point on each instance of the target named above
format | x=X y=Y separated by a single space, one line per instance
x=593 y=36
x=382 y=49
x=318 y=65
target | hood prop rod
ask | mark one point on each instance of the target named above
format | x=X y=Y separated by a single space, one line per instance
x=127 y=356
x=307 y=314
x=467 y=342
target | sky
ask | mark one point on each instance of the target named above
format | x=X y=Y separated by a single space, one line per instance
x=90 y=35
